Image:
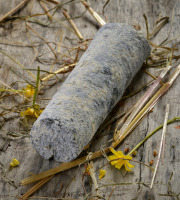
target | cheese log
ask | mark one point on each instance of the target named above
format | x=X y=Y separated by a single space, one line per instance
x=87 y=96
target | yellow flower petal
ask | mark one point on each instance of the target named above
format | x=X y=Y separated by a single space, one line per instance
x=29 y=91
x=102 y=173
x=126 y=168
x=119 y=165
x=120 y=160
x=14 y=163
x=114 y=152
x=120 y=153
x=128 y=157
x=113 y=157
x=22 y=113
x=129 y=165
x=31 y=112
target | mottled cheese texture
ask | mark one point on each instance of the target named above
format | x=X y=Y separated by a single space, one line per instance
x=97 y=83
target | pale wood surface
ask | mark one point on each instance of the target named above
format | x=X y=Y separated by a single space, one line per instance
x=130 y=12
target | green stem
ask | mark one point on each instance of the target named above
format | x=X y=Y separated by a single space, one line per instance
x=148 y=136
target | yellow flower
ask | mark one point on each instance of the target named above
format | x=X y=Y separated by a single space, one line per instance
x=14 y=163
x=31 y=112
x=119 y=159
x=102 y=173
x=29 y=91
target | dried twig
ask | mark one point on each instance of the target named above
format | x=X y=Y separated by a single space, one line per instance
x=61 y=70
x=42 y=38
x=152 y=102
x=46 y=10
x=17 y=62
x=14 y=10
x=138 y=106
x=92 y=174
x=35 y=188
x=161 y=144
x=66 y=14
x=62 y=167
x=93 y=13
x=54 y=1
x=60 y=41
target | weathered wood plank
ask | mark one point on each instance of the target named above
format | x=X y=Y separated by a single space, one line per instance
x=130 y=12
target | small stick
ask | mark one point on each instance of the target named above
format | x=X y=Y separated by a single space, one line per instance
x=46 y=10
x=161 y=144
x=14 y=10
x=65 y=13
x=93 y=13
x=62 y=70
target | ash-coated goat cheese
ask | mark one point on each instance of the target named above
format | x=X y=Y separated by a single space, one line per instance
x=87 y=96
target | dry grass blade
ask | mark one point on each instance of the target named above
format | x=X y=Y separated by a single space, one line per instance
x=17 y=62
x=161 y=143
x=105 y=6
x=147 y=27
x=46 y=10
x=14 y=10
x=60 y=41
x=62 y=167
x=94 y=14
x=138 y=106
x=172 y=18
x=42 y=38
x=35 y=188
x=92 y=174
x=146 y=108
x=66 y=14
x=158 y=26
x=62 y=70
x=54 y=1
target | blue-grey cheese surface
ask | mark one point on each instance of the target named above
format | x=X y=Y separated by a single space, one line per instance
x=96 y=84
